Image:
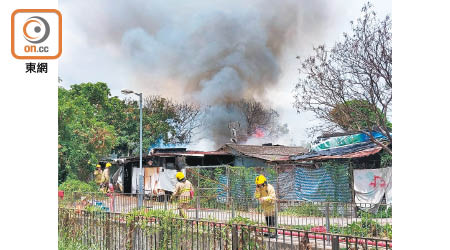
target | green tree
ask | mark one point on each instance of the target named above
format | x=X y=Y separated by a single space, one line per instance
x=155 y=126
x=356 y=115
x=93 y=124
x=83 y=135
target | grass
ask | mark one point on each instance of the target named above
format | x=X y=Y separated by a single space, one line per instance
x=73 y=243
x=363 y=228
x=298 y=227
x=305 y=209
x=242 y=220
x=382 y=213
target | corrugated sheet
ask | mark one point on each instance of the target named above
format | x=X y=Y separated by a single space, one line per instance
x=339 y=141
x=358 y=154
x=190 y=153
x=267 y=153
x=350 y=151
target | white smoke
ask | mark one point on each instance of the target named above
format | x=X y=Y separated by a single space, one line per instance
x=205 y=52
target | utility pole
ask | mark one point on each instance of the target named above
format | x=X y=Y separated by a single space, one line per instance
x=141 y=176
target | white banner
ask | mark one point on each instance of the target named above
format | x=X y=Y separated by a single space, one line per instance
x=167 y=179
x=371 y=185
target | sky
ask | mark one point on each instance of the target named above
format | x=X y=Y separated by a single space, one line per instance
x=176 y=49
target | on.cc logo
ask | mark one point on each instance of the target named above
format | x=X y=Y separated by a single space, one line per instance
x=36 y=34
x=36 y=29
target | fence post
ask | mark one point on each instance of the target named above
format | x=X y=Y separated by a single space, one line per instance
x=328 y=216
x=335 y=242
x=227 y=170
x=276 y=213
x=165 y=201
x=197 y=208
x=234 y=237
x=108 y=231
x=233 y=212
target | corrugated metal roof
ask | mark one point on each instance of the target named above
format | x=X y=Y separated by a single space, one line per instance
x=191 y=153
x=357 y=154
x=267 y=153
x=349 y=151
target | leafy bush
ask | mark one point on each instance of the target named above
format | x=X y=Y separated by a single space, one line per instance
x=65 y=242
x=381 y=213
x=365 y=228
x=154 y=221
x=305 y=209
x=386 y=160
x=248 y=238
x=92 y=209
x=73 y=185
x=242 y=220
x=298 y=227
x=149 y=213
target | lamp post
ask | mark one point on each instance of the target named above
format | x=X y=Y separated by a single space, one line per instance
x=141 y=176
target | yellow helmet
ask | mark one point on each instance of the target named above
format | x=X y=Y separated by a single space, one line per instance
x=180 y=176
x=98 y=166
x=260 y=180
x=108 y=165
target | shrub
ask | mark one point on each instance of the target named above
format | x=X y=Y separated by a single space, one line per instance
x=305 y=209
x=93 y=209
x=66 y=242
x=73 y=185
x=152 y=222
x=150 y=213
x=242 y=220
x=298 y=227
x=381 y=213
x=364 y=228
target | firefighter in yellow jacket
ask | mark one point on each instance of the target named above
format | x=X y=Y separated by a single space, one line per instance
x=98 y=175
x=185 y=191
x=265 y=194
x=105 y=178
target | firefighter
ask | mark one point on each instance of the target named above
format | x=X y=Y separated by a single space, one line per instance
x=106 y=173
x=185 y=191
x=98 y=175
x=265 y=194
x=105 y=178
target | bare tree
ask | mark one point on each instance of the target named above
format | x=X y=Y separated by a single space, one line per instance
x=156 y=104
x=257 y=117
x=352 y=82
x=186 y=121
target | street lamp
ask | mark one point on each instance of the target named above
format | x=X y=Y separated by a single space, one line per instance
x=141 y=176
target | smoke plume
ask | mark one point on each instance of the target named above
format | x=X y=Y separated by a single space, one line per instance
x=213 y=54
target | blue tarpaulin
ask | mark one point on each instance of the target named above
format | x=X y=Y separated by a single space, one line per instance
x=339 y=141
x=328 y=183
x=242 y=187
x=337 y=151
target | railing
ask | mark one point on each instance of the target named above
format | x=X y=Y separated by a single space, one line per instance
x=103 y=230
x=331 y=217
